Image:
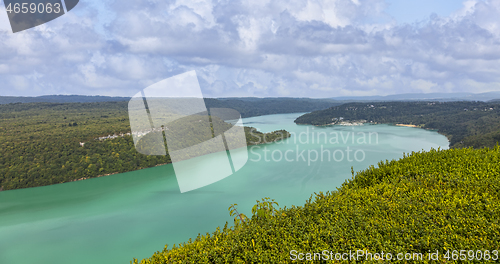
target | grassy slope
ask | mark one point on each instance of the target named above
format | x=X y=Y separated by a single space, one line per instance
x=437 y=200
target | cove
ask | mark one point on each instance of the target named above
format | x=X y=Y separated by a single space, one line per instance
x=115 y=218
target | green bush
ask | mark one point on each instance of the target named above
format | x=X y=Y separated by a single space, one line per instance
x=425 y=202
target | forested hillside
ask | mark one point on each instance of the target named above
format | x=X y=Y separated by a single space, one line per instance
x=40 y=143
x=475 y=124
x=60 y=99
x=267 y=106
x=247 y=106
x=436 y=201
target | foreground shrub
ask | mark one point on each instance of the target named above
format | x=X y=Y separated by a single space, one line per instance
x=425 y=202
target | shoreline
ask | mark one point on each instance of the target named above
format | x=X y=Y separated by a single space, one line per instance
x=405 y=125
x=140 y=168
x=113 y=173
x=448 y=137
x=340 y=124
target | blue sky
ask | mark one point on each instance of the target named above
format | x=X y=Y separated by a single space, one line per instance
x=296 y=48
x=409 y=11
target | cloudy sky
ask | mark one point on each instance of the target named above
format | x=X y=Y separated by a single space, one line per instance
x=297 y=48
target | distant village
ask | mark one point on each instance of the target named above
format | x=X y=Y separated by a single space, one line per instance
x=135 y=134
x=341 y=122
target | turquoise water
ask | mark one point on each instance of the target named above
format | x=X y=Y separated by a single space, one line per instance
x=115 y=218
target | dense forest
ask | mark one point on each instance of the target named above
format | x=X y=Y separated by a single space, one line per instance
x=475 y=124
x=41 y=143
x=60 y=99
x=267 y=106
x=426 y=202
x=247 y=106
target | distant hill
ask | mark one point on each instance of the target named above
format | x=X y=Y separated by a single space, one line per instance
x=251 y=106
x=60 y=99
x=442 y=97
x=247 y=106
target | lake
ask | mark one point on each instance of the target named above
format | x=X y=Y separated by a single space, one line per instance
x=115 y=218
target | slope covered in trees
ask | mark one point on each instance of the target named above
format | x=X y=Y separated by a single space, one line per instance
x=247 y=106
x=267 y=106
x=40 y=143
x=427 y=202
x=475 y=124
x=60 y=99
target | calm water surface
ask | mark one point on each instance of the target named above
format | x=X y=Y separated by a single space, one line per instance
x=115 y=218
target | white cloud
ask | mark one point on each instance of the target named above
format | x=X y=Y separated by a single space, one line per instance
x=421 y=85
x=314 y=48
